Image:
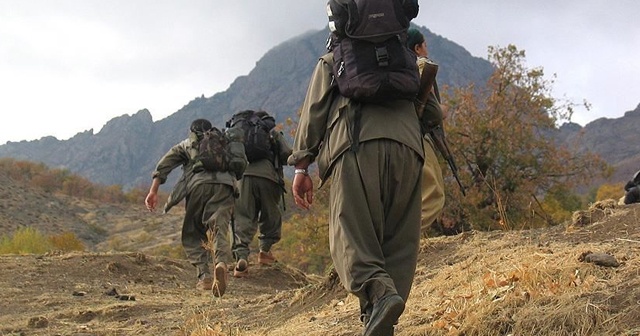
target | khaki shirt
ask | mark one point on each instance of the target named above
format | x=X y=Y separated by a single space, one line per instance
x=183 y=154
x=326 y=122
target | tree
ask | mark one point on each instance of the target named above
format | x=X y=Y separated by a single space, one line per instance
x=559 y=204
x=502 y=136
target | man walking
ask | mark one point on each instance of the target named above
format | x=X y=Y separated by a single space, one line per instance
x=259 y=207
x=209 y=204
x=373 y=154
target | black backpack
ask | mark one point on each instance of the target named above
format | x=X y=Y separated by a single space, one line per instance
x=256 y=127
x=368 y=41
x=213 y=151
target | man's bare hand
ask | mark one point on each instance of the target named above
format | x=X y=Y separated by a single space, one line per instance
x=151 y=201
x=302 y=188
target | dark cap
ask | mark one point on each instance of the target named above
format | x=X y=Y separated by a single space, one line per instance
x=200 y=126
x=414 y=37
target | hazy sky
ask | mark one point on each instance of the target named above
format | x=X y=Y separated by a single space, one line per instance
x=67 y=66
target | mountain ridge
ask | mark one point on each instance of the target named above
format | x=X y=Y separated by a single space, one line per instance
x=126 y=149
x=124 y=152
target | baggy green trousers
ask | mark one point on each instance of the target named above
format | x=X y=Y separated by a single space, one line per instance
x=206 y=223
x=259 y=207
x=374 y=229
x=432 y=186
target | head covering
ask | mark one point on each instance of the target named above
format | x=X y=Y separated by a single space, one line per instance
x=414 y=37
x=200 y=126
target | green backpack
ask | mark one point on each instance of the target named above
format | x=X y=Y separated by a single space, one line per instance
x=213 y=151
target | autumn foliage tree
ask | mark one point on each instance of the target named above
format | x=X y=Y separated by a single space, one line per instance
x=501 y=135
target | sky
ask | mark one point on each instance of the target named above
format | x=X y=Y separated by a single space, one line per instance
x=67 y=66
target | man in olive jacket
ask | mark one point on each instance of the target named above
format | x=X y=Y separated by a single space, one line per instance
x=260 y=207
x=209 y=204
x=374 y=226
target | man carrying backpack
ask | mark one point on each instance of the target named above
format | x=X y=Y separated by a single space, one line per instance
x=372 y=151
x=209 y=204
x=432 y=181
x=259 y=206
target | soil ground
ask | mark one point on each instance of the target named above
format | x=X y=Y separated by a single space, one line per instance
x=528 y=282
x=75 y=294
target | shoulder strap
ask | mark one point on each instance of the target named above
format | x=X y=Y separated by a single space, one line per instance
x=192 y=146
x=328 y=60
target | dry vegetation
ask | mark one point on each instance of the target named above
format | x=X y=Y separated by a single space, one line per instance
x=533 y=282
x=577 y=279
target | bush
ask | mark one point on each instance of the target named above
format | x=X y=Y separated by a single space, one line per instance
x=610 y=191
x=66 y=242
x=25 y=240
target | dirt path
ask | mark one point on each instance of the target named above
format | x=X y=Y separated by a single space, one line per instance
x=74 y=295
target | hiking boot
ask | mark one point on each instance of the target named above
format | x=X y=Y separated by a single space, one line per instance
x=205 y=283
x=384 y=315
x=266 y=258
x=242 y=269
x=220 y=279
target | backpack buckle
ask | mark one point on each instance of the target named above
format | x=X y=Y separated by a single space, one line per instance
x=382 y=56
x=340 y=69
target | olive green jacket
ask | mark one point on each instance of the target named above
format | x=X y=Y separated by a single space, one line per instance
x=183 y=154
x=326 y=126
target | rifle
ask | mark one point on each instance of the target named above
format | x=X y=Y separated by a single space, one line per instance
x=427 y=79
x=436 y=132
x=439 y=141
x=278 y=166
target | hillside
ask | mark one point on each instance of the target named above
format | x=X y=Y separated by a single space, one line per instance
x=528 y=282
x=100 y=226
x=518 y=283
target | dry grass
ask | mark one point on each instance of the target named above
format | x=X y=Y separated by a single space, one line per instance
x=528 y=283
x=508 y=287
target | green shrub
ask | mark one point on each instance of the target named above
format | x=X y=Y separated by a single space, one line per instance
x=25 y=240
x=66 y=242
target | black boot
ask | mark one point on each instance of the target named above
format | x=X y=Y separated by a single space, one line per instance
x=384 y=315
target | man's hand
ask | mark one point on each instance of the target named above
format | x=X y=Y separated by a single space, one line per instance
x=302 y=188
x=151 y=201
x=152 y=197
